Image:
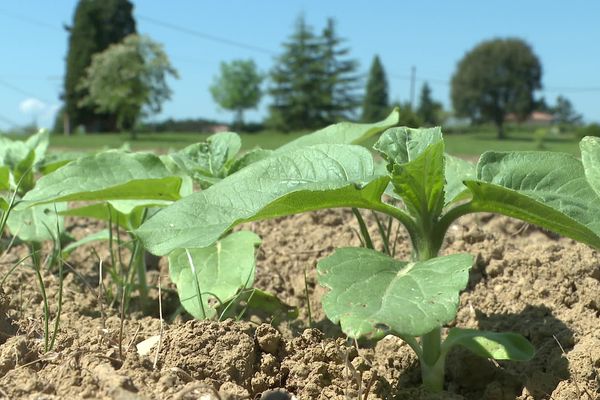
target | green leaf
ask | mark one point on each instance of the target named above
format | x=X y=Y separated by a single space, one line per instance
x=3 y=205
x=12 y=151
x=250 y=157
x=221 y=271
x=306 y=179
x=208 y=160
x=102 y=212
x=54 y=161
x=4 y=178
x=38 y=223
x=590 y=157
x=110 y=175
x=544 y=188
x=255 y=301
x=457 y=171
x=23 y=173
x=499 y=346
x=102 y=235
x=416 y=164
x=39 y=144
x=370 y=292
x=343 y=133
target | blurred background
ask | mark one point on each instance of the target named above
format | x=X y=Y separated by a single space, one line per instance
x=497 y=74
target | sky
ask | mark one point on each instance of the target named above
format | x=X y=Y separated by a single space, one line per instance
x=198 y=35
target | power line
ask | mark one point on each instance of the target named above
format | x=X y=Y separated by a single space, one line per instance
x=207 y=36
x=7 y=121
x=29 y=20
x=20 y=90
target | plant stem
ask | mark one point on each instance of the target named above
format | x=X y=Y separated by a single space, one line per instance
x=34 y=249
x=140 y=266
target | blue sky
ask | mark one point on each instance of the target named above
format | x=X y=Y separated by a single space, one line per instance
x=431 y=35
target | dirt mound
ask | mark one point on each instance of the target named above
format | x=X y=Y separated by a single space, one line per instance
x=525 y=280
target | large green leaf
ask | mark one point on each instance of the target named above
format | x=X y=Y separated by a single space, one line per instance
x=250 y=157
x=370 y=292
x=111 y=175
x=217 y=272
x=343 y=133
x=590 y=156
x=544 y=188
x=311 y=178
x=105 y=212
x=403 y=145
x=208 y=161
x=496 y=345
x=457 y=171
x=416 y=164
x=54 y=161
x=38 y=223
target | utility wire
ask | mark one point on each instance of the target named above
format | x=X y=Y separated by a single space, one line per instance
x=7 y=121
x=20 y=90
x=30 y=21
x=207 y=36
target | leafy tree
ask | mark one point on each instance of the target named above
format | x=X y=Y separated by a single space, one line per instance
x=497 y=77
x=428 y=109
x=340 y=81
x=376 y=101
x=238 y=87
x=126 y=78
x=564 y=112
x=96 y=25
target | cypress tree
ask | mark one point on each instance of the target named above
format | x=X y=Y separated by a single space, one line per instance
x=428 y=109
x=96 y=25
x=376 y=101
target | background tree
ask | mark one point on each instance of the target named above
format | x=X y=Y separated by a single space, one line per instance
x=312 y=83
x=237 y=88
x=407 y=117
x=297 y=82
x=428 y=110
x=96 y=25
x=340 y=82
x=497 y=77
x=127 y=79
x=564 y=112
x=376 y=101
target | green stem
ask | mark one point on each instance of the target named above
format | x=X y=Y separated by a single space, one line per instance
x=37 y=269
x=140 y=267
x=363 y=228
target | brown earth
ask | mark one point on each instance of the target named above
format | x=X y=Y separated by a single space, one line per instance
x=524 y=280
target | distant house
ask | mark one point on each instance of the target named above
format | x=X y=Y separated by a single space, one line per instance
x=536 y=118
x=218 y=128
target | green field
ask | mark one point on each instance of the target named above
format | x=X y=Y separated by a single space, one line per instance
x=465 y=144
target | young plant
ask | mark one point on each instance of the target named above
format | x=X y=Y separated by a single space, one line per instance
x=370 y=293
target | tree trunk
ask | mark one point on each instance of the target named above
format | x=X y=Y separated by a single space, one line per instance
x=500 y=129
x=238 y=122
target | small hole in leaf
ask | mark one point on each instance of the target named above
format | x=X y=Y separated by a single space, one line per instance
x=382 y=327
x=212 y=301
x=47 y=211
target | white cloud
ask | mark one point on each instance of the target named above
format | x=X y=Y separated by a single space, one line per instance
x=32 y=106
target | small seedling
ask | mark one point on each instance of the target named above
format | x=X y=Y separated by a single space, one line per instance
x=371 y=293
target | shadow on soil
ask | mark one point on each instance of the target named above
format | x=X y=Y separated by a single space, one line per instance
x=476 y=378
